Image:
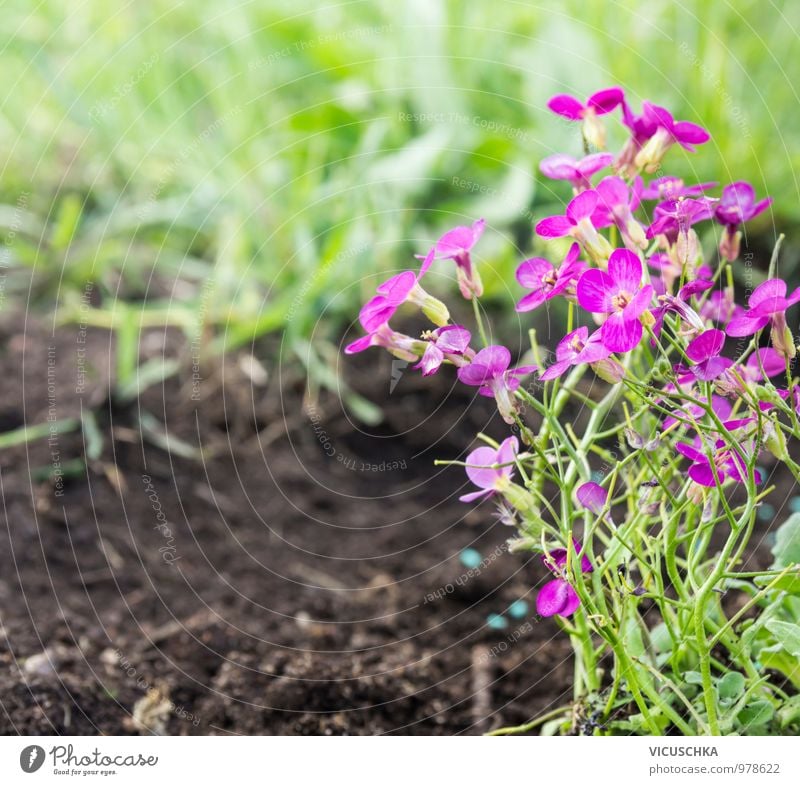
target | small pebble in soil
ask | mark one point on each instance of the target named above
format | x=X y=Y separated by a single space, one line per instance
x=794 y=504
x=496 y=621
x=766 y=512
x=470 y=558
x=518 y=609
x=597 y=476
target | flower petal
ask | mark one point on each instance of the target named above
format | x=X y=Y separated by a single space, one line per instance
x=771 y=360
x=592 y=496
x=768 y=292
x=530 y=273
x=711 y=369
x=620 y=334
x=689 y=134
x=593 y=163
x=595 y=291
x=531 y=301
x=397 y=288
x=453 y=338
x=427 y=262
x=506 y=453
x=703 y=474
x=553 y=598
x=604 y=101
x=566 y=106
x=582 y=206
x=707 y=344
x=690 y=452
x=479 y=459
x=556 y=370
x=554 y=226
x=376 y=312
x=496 y=358
x=474 y=374
x=475 y=495
x=625 y=268
x=559 y=167
x=741 y=326
x=359 y=346
x=640 y=303
x=431 y=360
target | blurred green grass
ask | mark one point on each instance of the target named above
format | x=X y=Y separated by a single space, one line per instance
x=240 y=169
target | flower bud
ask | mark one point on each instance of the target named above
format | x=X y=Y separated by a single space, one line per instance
x=609 y=370
x=469 y=281
x=775 y=441
x=596 y=247
x=782 y=338
x=687 y=249
x=517 y=497
x=647 y=319
x=696 y=493
x=634 y=232
x=436 y=311
x=729 y=244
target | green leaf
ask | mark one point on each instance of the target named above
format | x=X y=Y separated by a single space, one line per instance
x=693 y=677
x=661 y=638
x=787 y=634
x=93 y=437
x=790 y=711
x=730 y=686
x=632 y=637
x=776 y=658
x=757 y=713
x=787 y=542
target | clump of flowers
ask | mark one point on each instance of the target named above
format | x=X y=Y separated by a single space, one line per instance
x=639 y=491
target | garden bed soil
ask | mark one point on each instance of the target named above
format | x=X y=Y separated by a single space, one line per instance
x=308 y=581
x=280 y=570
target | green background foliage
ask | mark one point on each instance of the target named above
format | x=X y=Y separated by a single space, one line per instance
x=261 y=163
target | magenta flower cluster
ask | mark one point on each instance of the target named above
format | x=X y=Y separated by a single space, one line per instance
x=631 y=274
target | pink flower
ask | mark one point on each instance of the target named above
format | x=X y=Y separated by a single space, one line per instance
x=677 y=216
x=546 y=281
x=728 y=462
x=450 y=342
x=670 y=188
x=768 y=305
x=599 y=103
x=667 y=133
x=736 y=380
x=488 y=370
x=402 y=288
x=705 y=351
x=400 y=345
x=578 y=173
x=642 y=128
x=737 y=205
x=491 y=480
x=620 y=294
x=557 y=596
x=577 y=223
x=576 y=348
x=457 y=245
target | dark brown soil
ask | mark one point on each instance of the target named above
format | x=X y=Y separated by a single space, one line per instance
x=308 y=580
